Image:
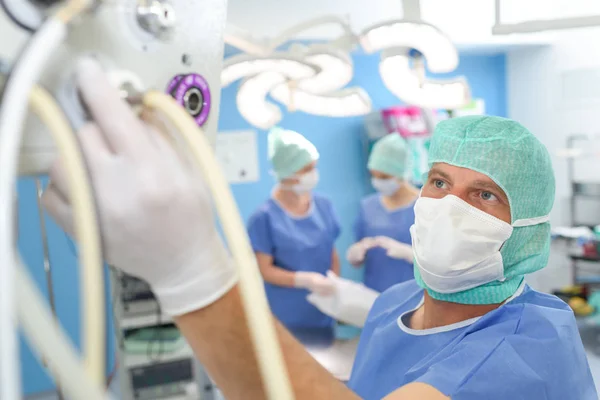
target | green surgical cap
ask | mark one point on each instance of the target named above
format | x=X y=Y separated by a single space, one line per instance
x=389 y=156
x=519 y=163
x=289 y=152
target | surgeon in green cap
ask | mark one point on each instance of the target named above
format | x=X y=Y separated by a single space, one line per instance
x=382 y=227
x=293 y=234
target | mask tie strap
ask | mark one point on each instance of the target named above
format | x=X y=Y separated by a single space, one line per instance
x=530 y=221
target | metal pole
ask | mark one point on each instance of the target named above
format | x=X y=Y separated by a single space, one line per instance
x=411 y=10
x=47 y=265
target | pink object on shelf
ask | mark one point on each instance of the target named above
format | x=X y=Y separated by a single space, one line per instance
x=409 y=121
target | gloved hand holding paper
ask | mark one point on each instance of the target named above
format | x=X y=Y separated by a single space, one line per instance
x=350 y=304
x=395 y=249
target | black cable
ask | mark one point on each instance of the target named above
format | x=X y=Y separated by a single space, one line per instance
x=14 y=18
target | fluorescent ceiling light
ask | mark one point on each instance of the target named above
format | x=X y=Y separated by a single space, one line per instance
x=252 y=100
x=407 y=85
x=246 y=65
x=439 y=51
x=343 y=103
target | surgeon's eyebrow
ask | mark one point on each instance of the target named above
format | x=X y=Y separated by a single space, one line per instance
x=491 y=186
x=440 y=173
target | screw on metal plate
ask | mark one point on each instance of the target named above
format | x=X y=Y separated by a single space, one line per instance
x=156 y=17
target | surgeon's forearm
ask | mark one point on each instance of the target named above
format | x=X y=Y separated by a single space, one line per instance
x=335 y=262
x=220 y=338
x=272 y=273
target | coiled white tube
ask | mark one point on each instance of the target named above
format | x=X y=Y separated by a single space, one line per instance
x=12 y=115
x=87 y=231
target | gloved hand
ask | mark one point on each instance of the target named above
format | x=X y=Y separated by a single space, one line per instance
x=350 y=304
x=395 y=249
x=357 y=252
x=314 y=282
x=155 y=212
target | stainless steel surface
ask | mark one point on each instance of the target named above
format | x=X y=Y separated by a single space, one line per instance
x=586 y=189
x=157 y=17
x=193 y=101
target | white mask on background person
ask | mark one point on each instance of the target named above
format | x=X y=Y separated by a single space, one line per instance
x=386 y=187
x=307 y=182
x=457 y=246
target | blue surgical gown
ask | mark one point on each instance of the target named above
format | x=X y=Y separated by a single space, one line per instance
x=296 y=244
x=381 y=271
x=529 y=348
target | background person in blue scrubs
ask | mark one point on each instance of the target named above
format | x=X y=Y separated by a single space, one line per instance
x=383 y=243
x=293 y=234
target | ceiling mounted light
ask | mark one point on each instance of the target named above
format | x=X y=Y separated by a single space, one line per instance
x=246 y=65
x=406 y=80
x=342 y=103
x=336 y=68
x=437 y=48
x=252 y=100
x=303 y=78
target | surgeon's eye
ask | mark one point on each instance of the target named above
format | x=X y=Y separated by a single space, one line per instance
x=487 y=196
x=440 y=184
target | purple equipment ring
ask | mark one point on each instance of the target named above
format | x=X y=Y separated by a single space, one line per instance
x=180 y=88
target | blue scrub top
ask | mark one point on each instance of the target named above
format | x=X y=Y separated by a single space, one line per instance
x=528 y=348
x=296 y=244
x=381 y=271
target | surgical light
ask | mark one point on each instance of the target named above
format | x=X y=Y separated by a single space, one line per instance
x=304 y=78
x=342 y=103
x=407 y=83
x=252 y=100
x=437 y=48
x=335 y=66
x=247 y=65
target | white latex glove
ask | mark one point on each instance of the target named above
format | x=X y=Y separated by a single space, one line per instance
x=395 y=249
x=155 y=212
x=357 y=252
x=350 y=304
x=314 y=282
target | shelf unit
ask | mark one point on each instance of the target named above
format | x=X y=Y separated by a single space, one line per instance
x=582 y=190
x=174 y=375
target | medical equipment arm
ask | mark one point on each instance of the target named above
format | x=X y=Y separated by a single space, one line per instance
x=220 y=339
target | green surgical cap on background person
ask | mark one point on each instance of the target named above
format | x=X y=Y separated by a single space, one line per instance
x=289 y=152
x=518 y=163
x=389 y=155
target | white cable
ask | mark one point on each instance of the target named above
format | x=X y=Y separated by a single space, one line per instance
x=12 y=115
x=260 y=321
x=87 y=231
x=35 y=317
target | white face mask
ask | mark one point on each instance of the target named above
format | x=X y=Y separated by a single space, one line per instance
x=457 y=246
x=308 y=182
x=386 y=187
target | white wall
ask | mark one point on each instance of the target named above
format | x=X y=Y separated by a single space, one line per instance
x=538 y=97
